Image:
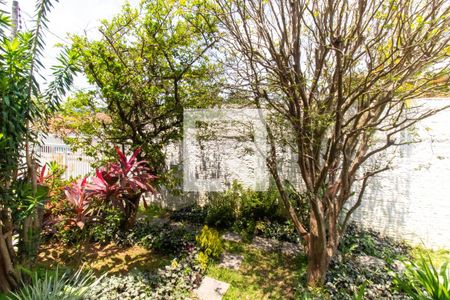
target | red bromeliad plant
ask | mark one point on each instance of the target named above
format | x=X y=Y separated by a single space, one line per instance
x=41 y=179
x=76 y=195
x=134 y=176
x=122 y=184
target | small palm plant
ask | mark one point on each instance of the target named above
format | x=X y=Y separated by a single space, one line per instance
x=57 y=286
x=422 y=280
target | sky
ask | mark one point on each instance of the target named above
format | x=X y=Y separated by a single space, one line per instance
x=70 y=16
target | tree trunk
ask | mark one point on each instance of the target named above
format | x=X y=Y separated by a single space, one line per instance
x=30 y=236
x=131 y=209
x=318 y=256
x=29 y=240
x=9 y=277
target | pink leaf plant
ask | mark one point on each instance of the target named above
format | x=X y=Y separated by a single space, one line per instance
x=78 y=198
x=119 y=184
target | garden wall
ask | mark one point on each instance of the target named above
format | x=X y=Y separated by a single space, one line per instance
x=411 y=201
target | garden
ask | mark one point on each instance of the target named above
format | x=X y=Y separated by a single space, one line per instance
x=335 y=81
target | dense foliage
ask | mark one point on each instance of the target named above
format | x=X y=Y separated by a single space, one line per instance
x=240 y=209
x=174 y=281
x=98 y=208
x=23 y=106
x=150 y=63
x=367 y=257
x=425 y=280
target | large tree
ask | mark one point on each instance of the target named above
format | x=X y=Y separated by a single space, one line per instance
x=340 y=75
x=149 y=64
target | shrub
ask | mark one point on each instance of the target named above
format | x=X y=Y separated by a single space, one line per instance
x=121 y=185
x=194 y=214
x=284 y=231
x=261 y=205
x=104 y=229
x=222 y=208
x=209 y=242
x=240 y=208
x=69 y=235
x=423 y=280
x=203 y=260
x=56 y=286
x=53 y=179
x=102 y=205
x=78 y=198
x=163 y=238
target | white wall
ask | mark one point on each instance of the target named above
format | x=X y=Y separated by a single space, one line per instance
x=412 y=201
x=409 y=202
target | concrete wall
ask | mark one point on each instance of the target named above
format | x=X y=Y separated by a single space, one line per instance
x=409 y=202
x=412 y=200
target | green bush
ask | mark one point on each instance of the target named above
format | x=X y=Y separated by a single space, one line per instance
x=164 y=238
x=210 y=245
x=105 y=228
x=194 y=214
x=423 y=280
x=57 y=286
x=223 y=208
x=282 y=231
x=68 y=235
x=209 y=242
x=241 y=209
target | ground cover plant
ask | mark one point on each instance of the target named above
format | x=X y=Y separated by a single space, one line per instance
x=423 y=279
x=151 y=261
x=161 y=259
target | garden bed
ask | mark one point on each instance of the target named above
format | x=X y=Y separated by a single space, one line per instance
x=111 y=258
x=158 y=260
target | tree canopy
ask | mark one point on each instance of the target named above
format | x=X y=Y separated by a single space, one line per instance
x=149 y=64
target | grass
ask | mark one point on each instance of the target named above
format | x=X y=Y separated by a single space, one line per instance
x=261 y=275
